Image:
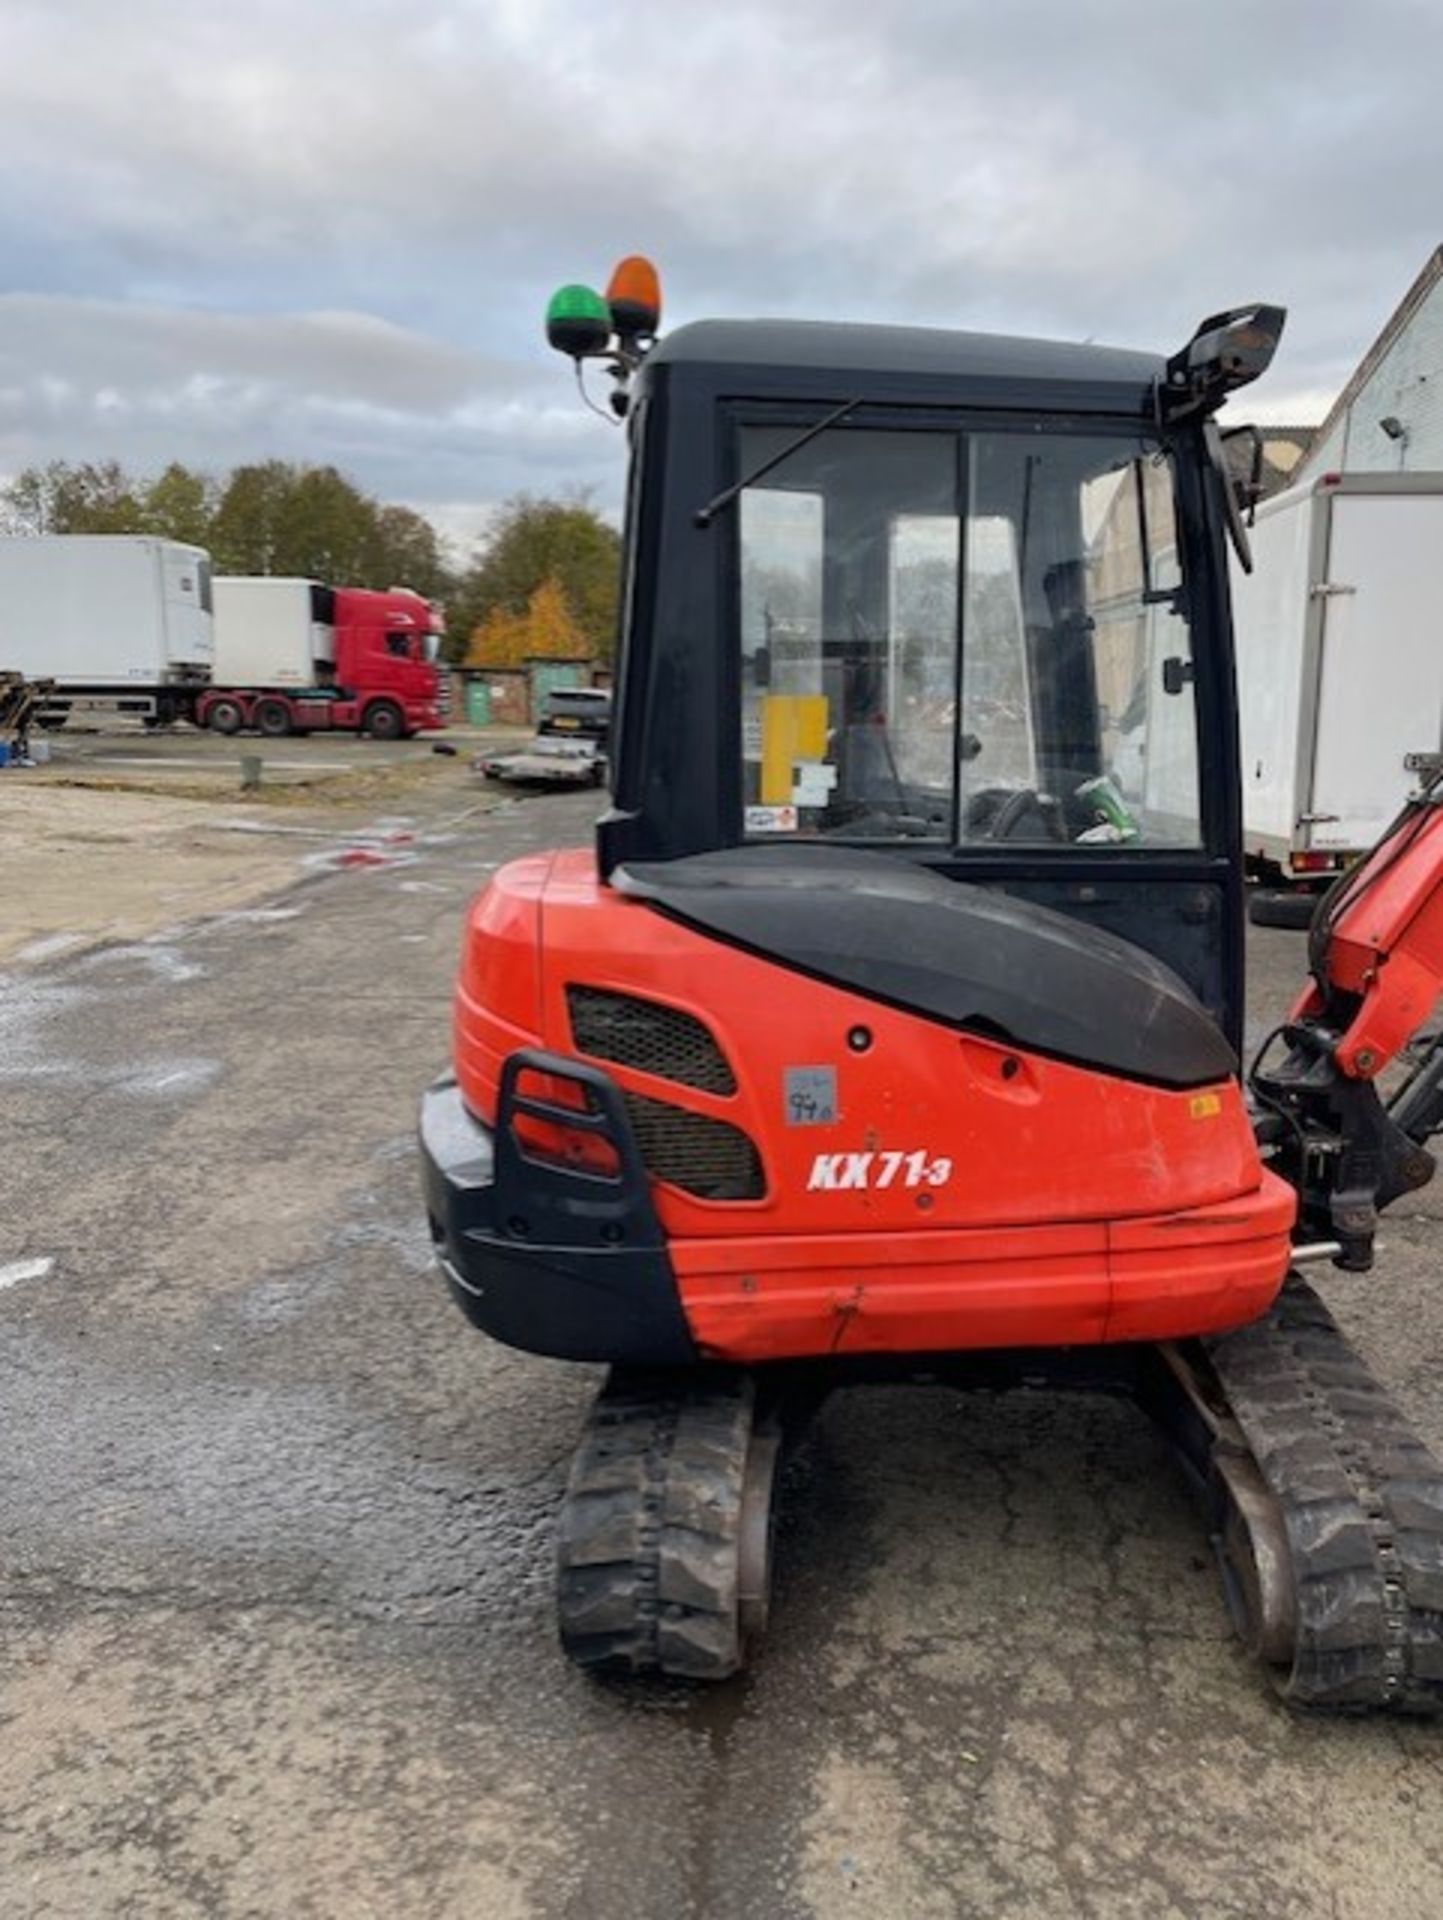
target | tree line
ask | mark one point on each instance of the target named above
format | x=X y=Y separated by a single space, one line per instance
x=543 y=580
x=544 y=586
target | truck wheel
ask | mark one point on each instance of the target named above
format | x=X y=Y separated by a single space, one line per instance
x=385 y=722
x=273 y=719
x=1278 y=907
x=224 y=716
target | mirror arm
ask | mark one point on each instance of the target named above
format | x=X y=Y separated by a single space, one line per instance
x=1217 y=459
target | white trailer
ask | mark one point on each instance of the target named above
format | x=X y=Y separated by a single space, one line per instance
x=273 y=632
x=118 y=622
x=1339 y=635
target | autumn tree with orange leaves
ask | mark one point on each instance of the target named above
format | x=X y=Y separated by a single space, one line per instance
x=546 y=630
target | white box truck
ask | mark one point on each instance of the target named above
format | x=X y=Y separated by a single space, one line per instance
x=119 y=622
x=1339 y=635
x=273 y=632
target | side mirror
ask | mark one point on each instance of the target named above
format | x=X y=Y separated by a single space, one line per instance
x=1248 y=492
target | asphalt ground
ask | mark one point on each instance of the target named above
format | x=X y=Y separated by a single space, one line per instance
x=275 y=1529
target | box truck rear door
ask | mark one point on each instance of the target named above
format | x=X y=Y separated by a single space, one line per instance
x=1380 y=694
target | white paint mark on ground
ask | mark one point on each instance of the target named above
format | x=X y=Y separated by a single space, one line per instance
x=51 y=944
x=276 y=827
x=258 y=916
x=34 y=1012
x=155 y=954
x=166 y=1078
x=27 y=1006
x=388 y=841
x=18 y=1270
x=438 y=834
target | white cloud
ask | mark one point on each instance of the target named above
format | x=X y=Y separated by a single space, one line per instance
x=326 y=228
x=414 y=417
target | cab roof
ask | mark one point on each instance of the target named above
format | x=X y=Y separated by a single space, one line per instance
x=807 y=355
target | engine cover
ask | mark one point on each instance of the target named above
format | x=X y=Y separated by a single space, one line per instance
x=837 y=1172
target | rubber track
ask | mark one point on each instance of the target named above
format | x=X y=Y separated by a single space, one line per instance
x=1362 y=1503
x=647 y=1539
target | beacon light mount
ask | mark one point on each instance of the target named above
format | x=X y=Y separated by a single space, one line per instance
x=619 y=326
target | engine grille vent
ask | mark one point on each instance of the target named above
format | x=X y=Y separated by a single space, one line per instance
x=649 y=1038
x=710 y=1159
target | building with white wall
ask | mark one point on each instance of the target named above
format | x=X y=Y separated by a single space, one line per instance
x=1389 y=417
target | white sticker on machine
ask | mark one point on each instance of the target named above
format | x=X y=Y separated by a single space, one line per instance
x=812 y=783
x=811 y=1096
x=771 y=819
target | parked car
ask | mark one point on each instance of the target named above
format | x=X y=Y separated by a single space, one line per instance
x=577 y=710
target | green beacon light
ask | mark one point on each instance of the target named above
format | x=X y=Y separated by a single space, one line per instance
x=578 y=322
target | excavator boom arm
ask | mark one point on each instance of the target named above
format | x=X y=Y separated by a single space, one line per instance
x=1375 y=953
x=1376 y=948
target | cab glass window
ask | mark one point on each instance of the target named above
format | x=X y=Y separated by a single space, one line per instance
x=965 y=638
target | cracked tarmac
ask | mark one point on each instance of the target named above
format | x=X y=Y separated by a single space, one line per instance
x=275 y=1556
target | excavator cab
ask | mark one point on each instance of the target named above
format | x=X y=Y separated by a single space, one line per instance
x=957 y=599
x=890 y=1028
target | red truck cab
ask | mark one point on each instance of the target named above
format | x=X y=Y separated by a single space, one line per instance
x=385 y=666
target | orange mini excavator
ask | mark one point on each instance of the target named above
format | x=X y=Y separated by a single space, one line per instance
x=892 y=1027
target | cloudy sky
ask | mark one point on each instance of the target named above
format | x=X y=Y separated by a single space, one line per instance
x=326 y=229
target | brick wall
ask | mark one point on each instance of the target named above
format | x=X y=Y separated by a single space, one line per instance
x=510 y=697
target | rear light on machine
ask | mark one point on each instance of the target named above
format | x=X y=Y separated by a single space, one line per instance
x=1317 y=862
x=549 y=1141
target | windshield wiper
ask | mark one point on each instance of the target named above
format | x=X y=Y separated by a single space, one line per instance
x=704 y=516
